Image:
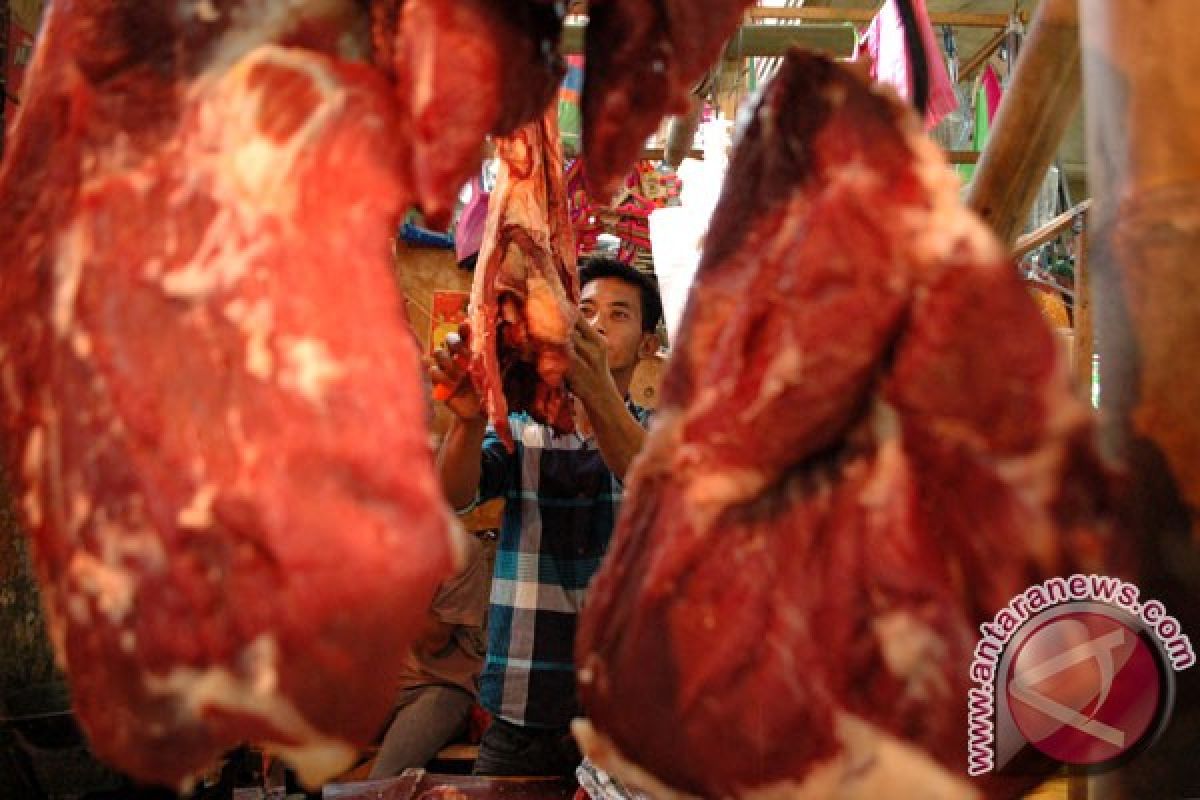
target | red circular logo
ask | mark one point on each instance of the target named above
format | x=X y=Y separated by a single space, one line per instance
x=1084 y=688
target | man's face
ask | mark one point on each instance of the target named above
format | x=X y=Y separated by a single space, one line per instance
x=614 y=309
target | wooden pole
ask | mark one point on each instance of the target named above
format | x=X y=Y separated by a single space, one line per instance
x=955 y=19
x=1139 y=65
x=1031 y=121
x=1085 y=339
x=1050 y=231
x=681 y=133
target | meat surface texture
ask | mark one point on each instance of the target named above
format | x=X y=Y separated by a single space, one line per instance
x=644 y=57
x=526 y=288
x=866 y=445
x=464 y=69
x=211 y=402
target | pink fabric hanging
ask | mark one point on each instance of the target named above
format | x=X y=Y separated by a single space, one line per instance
x=883 y=41
x=469 y=235
x=993 y=90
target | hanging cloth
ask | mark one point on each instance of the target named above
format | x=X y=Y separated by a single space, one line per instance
x=883 y=42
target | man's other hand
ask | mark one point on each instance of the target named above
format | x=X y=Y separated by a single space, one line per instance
x=449 y=372
x=589 y=376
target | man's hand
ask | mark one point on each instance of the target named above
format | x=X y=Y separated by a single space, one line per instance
x=589 y=376
x=458 y=461
x=449 y=372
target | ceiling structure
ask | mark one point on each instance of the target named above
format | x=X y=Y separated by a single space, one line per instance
x=1071 y=154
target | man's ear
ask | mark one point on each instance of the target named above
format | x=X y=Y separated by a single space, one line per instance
x=649 y=345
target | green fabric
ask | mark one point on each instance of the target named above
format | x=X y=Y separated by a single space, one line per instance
x=570 y=125
x=982 y=129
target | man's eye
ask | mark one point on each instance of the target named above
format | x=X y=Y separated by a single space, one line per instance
x=620 y=315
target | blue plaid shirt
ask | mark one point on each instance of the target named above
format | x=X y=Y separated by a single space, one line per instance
x=561 y=503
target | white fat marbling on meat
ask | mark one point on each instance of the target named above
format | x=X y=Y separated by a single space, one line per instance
x=68 y=273
x=112 y=587
x=205 y=11
x=871 y=765
x=710 y=491
x=889 y=470
x=252 y=688
x=31 y=504
x=912 y=652
x=222 y=258
x=31 y=472
x=128 y=641
x=948 y=225
x=81 y=509
x=256 y=322
x=309 y=368
x=81 y=344
x=247 y=449
x=197 y=515
x=256 y=172
x=1036 y=477
x=856 y=176
x=784 y=371
x=122 y=546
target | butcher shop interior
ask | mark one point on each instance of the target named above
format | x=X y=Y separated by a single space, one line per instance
x=599 y=399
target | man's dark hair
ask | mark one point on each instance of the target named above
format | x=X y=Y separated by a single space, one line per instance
x=594 y=268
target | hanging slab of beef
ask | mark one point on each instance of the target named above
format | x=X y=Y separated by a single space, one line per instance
x=526 y=288
x=866 y=445
x=644 y=57
x=210 y=399
x=467 y=68
x=464 y=69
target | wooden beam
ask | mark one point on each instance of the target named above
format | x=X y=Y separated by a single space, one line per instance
x=1050 y=231
x=955 y=19
x=750 y=41
x=953 y=156
x=1085 y=349
x=659 y=154
x=976 y=62
x=1034 y=114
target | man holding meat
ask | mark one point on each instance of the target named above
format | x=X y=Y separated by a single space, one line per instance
x=562 y=493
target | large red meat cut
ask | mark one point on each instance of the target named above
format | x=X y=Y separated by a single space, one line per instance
x=526 y=290
x=208 y=391
x=644 y=57
x=464 y=69
x=866 y=445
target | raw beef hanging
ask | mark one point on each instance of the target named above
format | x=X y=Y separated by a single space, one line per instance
x=644 y=57
x=866 y=445
x=209 y=396
x=526 y=290
x=464 y=69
